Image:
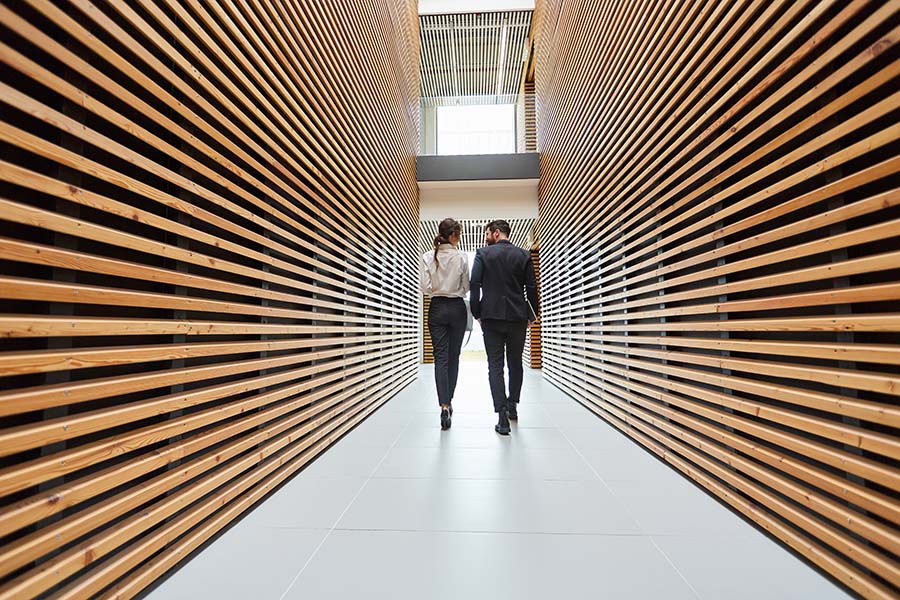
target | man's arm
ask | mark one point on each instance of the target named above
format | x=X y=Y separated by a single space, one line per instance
x=531 y=287
x=475 y=286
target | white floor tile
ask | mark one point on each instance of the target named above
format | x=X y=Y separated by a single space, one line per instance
x=346 y=458
x=246 y=562
x=413 y=565
x=514 y=506
x=564 y=507
x=501 y=462
x=306 y=502
x=745 y=568
x=675 y=506
x=469 y=437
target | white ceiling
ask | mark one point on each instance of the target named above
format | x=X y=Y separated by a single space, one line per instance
x=439 y=7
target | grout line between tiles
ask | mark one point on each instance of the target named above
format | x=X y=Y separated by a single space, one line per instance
x=628 y=512
x=344 y=512
x=493 y=532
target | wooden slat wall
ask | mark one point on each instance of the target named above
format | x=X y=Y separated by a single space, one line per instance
x=720 y=258
x=532 y=354
x=427 y=348
x=530 y=123
x=208 y=266
x=473 y=233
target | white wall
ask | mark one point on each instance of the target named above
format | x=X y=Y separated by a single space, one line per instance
x=428 y=130
x=514 y=199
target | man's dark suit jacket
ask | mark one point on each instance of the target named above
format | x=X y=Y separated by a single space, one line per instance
x=502 y=275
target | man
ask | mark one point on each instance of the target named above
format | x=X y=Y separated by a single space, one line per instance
x=502 y=275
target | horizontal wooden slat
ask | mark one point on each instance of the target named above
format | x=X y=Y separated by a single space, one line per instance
x=23 y=437
x=532 y=354
x=102 y=544
x=66 y=495
x=209 y=249
x=30 y=547
x=719 y=241
x=42 y=361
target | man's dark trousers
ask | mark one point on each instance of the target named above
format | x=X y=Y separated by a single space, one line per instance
x=508 y=336
x=502 y=277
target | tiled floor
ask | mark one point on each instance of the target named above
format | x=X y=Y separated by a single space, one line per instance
x=565 y=507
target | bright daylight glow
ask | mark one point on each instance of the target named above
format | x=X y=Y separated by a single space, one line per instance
x=487 y=129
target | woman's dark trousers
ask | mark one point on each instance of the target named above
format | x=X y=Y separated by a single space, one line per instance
x=447 y=326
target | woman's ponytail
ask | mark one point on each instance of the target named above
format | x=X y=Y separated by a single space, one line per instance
x=438 y=240
x=446 y=228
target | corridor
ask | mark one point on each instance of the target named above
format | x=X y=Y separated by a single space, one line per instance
x=565 y=507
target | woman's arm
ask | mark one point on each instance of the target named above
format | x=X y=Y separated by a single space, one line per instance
x=424 y=277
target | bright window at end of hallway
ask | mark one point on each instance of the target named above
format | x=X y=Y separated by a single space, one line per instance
x=477 y=129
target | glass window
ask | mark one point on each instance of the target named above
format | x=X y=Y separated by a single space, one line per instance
x=487 y=129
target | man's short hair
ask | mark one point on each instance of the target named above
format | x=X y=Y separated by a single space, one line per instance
x=499 y=225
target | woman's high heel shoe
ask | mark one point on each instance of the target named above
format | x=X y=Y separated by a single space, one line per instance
x=445 y=419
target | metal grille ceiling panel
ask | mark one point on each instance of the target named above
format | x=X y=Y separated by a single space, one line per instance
x=473 y=233
x=472 y=58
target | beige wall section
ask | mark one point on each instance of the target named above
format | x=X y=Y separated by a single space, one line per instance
x=509 y=198
x=428 y=130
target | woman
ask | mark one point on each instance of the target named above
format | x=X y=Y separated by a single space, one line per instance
x=445 y=277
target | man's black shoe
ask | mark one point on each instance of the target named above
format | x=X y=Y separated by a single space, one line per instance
x=445 y=419
x=512 y=411
x=502 y=426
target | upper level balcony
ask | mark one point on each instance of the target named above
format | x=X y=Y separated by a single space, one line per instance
x=477 y=158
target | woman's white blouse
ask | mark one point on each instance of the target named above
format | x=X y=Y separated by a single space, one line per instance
x=448 y=277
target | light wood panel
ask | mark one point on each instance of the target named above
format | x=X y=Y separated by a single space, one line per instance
x=532 y=354
x=720 y=253
x=530 y=123
x=427 y=347
x=208 y=267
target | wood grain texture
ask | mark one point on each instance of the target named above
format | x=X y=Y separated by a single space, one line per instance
x=427 y=347
x=720 y=253
x=532 y=354
x=208 y=267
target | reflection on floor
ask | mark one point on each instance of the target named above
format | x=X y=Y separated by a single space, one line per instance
x=565 y=507
x=473 y=356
